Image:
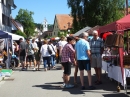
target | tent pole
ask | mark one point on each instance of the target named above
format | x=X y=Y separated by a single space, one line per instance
x=7 y=63
x=128 y=42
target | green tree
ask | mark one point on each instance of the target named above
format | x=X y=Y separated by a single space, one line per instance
x=26 y=19
x=76 y=12
x=62 y=33
x=95 y=12
x=18 y=32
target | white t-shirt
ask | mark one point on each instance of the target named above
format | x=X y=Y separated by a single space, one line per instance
x=44 y=50
x=62 y=43
x=34 y=45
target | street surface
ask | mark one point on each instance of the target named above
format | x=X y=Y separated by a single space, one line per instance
x=47 y=84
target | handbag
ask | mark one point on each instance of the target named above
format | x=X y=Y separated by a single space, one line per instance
x=49 y=50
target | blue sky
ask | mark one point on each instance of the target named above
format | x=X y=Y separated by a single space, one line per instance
x=42 y=9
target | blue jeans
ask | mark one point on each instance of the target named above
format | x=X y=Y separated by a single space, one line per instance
x=53 y=60
x=46 y=60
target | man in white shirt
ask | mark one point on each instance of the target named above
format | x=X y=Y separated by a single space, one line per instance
x=36 y=53
x=34 y=44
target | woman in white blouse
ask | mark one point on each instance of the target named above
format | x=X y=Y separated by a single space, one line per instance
x=45 y=54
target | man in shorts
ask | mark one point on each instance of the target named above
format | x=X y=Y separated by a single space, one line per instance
x=96 y=45
x=22 y=52
x=30 y=54
x=83 y=59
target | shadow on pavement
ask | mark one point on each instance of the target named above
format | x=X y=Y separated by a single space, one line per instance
x=115 y=95
x=58 y=87
x=108 y=86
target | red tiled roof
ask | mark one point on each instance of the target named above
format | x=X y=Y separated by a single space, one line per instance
x=64 y=21
x=14 y=22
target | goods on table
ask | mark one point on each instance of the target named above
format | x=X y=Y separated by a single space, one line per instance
x=126 y=60
x=109 y=58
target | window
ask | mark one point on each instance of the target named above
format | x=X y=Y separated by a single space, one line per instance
x=6 y=20
x=2 y=1
x=3 y=18
x=9 y=22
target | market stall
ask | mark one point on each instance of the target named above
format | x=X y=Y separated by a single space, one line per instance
x=7 y=37
x=118 y=27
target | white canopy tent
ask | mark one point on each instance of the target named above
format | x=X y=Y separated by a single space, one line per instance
x=15 y=36
x=81 y=31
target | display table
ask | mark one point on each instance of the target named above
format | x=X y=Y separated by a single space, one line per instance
x=114 y=72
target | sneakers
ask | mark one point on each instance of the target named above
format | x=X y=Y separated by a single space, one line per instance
x=91 y=88
x=63 y=85
x=68 y=86
x=34 y=69
x=53 y=67
x=49 y=68
x=83 y=88
x=23 y=69
x=45 y=69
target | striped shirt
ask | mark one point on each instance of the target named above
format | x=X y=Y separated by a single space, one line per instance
x=96 y=45
x=68 y=53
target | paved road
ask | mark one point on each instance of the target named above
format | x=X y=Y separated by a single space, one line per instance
x=47 y=84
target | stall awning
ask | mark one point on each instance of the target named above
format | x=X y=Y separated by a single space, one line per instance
x=119 y=25
x=81 y=31
x=4 y=35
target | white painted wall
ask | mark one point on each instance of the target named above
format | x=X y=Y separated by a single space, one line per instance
x=37 y=30
x=45 y=25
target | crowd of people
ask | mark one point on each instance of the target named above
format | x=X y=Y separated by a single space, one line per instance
x=30 y=51
x=84 y=54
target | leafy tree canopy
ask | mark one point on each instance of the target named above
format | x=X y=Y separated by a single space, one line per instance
x=18 y=32
x=95 y=12
x=26 y=19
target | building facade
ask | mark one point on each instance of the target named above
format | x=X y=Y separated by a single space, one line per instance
x=16 y=26
x=5 y=14
x=45 y=25
x=62 y=22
